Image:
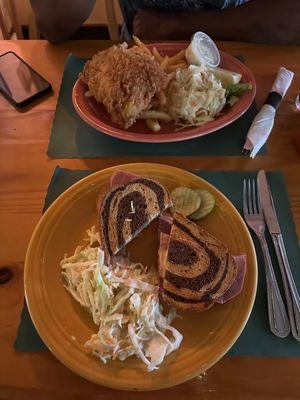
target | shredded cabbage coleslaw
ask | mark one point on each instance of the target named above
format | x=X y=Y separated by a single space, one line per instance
x=195 y=96
x=123 y=301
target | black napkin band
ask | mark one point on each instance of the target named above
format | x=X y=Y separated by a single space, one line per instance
x=273 y=99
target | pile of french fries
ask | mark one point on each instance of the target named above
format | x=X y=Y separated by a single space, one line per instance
x=153 y=117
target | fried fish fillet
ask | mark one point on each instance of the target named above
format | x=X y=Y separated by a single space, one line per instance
x=124 y=80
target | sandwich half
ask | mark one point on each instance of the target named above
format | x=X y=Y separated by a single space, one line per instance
x=126 y=209
x=195 y=268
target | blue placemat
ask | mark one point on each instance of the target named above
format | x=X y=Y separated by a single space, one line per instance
x=256 y=339
x=71 y=137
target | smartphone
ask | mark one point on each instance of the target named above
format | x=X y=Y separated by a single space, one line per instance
x=19 y=83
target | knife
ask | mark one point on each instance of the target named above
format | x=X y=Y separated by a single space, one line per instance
x=290 y=289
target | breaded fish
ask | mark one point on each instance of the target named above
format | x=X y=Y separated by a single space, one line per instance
x=124 y=80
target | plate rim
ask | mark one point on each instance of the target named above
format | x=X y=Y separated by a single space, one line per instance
x=170 y=137
x=43 y=331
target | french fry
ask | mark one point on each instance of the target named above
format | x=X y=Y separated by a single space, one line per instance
x=142 y=45
x=161 y=97
x=153 y=125
x=164 y=63
x=178 y=57
x=137 y=41
x=153 y=114
x=159 y=58
x=173 y=68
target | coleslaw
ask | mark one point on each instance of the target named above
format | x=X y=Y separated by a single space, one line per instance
x=123 y=301
x=194 y=96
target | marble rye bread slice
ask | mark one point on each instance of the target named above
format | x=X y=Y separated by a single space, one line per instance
x=195 y=268
x=170 y=296
x=125 y=210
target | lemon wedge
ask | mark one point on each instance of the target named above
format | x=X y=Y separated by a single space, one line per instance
x=226 y=77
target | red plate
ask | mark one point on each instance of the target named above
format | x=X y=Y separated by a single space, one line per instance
x=95 y=114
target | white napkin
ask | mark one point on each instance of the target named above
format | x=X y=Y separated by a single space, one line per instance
x=262 y=124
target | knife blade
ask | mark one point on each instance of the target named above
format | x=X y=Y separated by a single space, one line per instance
x=267 y=203
x=290 y=289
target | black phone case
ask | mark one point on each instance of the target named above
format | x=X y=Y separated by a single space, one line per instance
x=37 y=95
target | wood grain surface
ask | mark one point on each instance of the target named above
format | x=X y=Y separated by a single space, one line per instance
x=25 y=172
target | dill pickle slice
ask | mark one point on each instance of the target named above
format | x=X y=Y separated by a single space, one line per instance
x=185 y=200
x=207 y=205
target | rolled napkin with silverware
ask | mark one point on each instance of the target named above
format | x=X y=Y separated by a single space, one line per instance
x=262 y=124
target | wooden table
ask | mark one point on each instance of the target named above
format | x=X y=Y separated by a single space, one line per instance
x=25 y=172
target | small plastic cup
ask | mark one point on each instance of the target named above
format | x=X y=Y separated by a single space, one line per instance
x=203 y=50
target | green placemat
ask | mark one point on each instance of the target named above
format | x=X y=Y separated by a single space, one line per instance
x=256 y=339
x=71 y=137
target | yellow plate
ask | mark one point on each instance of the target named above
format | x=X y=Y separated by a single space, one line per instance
x=64 y=326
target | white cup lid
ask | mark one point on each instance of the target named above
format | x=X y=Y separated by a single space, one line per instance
x=207 y=48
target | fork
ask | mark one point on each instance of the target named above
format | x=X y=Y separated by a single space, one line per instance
x=246 y=152
x=278 y=319
x=247 y=149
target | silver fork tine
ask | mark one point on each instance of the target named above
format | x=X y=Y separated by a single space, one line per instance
x=246 y=152
x=245 y=207
x=255 y=210
x=250 y=205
